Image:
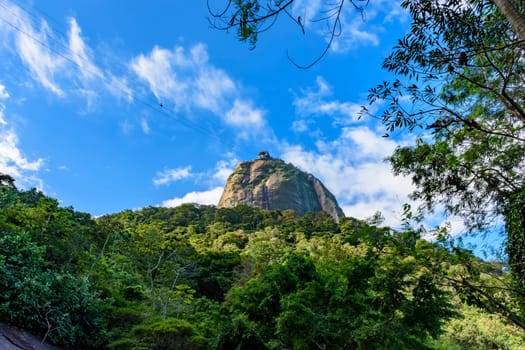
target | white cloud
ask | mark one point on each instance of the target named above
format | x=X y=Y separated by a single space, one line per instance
x=184 y=77
x=209 y=197
x=15 y=163
x=218 y=177
x=170 y=175
x=317 y=101
x=119 y=87
x=80 y=53
x=145 y=126
x=12 y=159
x=356 y=29
x=355 y=32
x=309 y=10
x=364 y=29
x=181 y=78
x=2 y=119
x=12 y=156
x=300 y=125
x=353 y=168
x=368 y=143
x=33 y=49
x=157 y=71
x=396 y=12
x=454 y=225
x=211 y=84
x=126 y=127
x=90 y=96
x=244 y=115
x=57 y=63
x=4 y=95
x=224 y=168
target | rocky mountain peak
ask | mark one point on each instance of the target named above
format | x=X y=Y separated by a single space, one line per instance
x=271 y=183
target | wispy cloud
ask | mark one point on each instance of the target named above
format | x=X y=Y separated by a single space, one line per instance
x=13 y=161
x=394 y=12
x=184 y=78
x=301 y=125
x=353 y=163
x=309 y=10
x=224 y=168
x=81 y=54
x=356 y=28
x=119 y=88
x=145 y=126
x=354 y=169
x=156 y=69
x=315 y=101
x=244 y=115
x=33 y=48
x=356 y=33
x=58 y=63
x=168 y=176
x=3 y=96
x=216 y=179
x=209 y=197
x=3 y=93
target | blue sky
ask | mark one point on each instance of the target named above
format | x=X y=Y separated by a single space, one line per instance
x=82 y=83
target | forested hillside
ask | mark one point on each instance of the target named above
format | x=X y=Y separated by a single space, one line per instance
x=198 y=277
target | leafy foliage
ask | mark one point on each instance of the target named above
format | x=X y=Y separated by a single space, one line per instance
x=60 y=306
x=477 y=330
x=198 y=277
x=461 y=67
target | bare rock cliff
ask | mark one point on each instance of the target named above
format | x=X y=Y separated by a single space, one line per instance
x=273 y=184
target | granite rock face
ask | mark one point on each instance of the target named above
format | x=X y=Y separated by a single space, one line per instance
x=274 y=184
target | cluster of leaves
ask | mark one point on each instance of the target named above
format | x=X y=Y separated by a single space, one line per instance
x=460 y=79
x=42 y=269
x=198 y=277
x=479 y=330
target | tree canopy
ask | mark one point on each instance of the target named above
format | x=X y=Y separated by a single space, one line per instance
x=198 y=277
x=460 y=77
x=460 y=87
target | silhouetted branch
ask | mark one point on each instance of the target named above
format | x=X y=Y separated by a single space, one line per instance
x=252 y=17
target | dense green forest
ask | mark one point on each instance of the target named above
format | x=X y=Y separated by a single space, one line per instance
x=198 y=277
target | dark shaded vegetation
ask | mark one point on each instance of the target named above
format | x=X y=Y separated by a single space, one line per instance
x=198 y=277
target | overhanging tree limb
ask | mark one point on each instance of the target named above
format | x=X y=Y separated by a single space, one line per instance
x=252 y=17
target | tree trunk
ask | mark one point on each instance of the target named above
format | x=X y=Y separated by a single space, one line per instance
x=515 y=227
x=515 y=18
